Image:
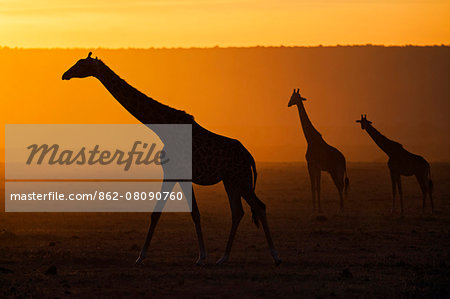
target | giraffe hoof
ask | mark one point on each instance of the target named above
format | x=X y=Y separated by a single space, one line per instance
x=277 y=262
x=139 y=261
x=200 y=261
x=222 y=260
x=276 y=259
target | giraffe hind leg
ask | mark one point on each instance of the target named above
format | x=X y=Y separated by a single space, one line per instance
x=318 y=177
x=259 y=208
x=245 y=189
x=237 y=212
x=338 y=179
x=423 y=187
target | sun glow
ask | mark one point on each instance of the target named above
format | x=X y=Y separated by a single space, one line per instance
x=200 y=23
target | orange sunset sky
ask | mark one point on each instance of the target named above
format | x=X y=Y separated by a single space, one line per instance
x=206 y=23
x=240 y=92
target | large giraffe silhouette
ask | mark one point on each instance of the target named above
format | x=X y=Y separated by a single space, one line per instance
x=320 y=156
x=401 y=162
x=215 y=158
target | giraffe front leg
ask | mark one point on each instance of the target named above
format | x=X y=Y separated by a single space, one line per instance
x=312 y=177
x=167 y=186
x=399 y=181
x=155 y=218
x=394 y=187
x=313 y=193
x=318 y=177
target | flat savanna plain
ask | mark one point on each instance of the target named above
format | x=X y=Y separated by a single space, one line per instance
x=363 y=252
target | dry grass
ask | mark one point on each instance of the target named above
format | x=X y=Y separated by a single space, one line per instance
x=362 y=253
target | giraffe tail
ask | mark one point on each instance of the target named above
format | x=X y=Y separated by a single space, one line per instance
x=258 y=202
x=253 y=166
x=255 y=174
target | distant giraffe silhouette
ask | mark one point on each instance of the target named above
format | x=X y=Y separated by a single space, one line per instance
x=320 y=156
x=401 y=162
x=215 y=158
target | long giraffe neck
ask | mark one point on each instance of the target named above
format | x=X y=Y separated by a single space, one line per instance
x=388 y=146
x=144 y=108
x=310 y=132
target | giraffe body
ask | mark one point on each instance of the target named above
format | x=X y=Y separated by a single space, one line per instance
x=401 y=162
x=215 y=158
x=320 y=156
x=221 y=151
x=408 y=164
x=325 y=157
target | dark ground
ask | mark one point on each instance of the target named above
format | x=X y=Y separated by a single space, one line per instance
x=364 y=252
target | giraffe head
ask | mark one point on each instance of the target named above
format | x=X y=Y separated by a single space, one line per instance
x=83 y=68
x=296 y=98
x=363 y=121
